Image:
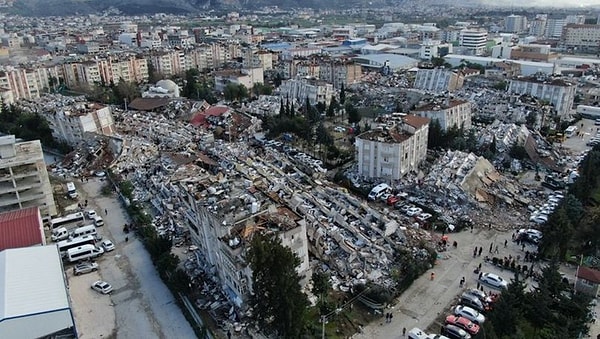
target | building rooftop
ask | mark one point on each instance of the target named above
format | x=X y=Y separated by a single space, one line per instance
x=440 y=105
x=545 y=80
x=391 y=136
x=21 y=228
x=416 y=121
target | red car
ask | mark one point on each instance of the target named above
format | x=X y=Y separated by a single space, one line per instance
x=463 y=323
x=392 y=200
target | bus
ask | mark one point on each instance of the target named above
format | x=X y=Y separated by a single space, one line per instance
x=65 y=245
x=71 y=190
x=570 y=131
x=67 y=219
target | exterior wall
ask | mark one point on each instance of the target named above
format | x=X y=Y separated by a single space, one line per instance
x=391 y=160
x=71 y=126
x=582 y=37
x=302 y=89
x=24 y=180
x=560 y=96
x=586 y=287
x=474 y=40
x=437 y=80
x=457 y=115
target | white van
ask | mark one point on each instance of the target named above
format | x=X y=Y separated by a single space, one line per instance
x=71 y=190
x=59 y=234
x=379 y=190
x=84 y=230
x=84 y=252
x=98 y=221
x=417 y=333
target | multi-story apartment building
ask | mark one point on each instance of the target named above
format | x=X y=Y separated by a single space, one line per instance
x=434 y=49
x=300 y=89
x=558 y=92
x=392 y=151
x=448 y=113
x=474 y=39
x=27 y=83
x=223 y=227
x=537 y=27
x=340 y=72
x=24 y=180
x=581 y=37
x=70 y=123
x=554 y=27
x=246 y=77
x=438 y=80
x=515 y=23
x=532 y=52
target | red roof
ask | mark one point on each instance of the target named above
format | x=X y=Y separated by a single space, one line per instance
x=416 y=121
x=589 y=274
x=200 y=117
x=21 y=228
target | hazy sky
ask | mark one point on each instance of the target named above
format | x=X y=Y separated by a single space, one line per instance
x=548 y=3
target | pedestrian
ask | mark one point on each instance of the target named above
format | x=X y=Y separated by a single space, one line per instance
x=462 y=282
x=478 y=285
x=523 y=247
x=513 y=236
x=126 y=239
x=479 y=267
x=480 y=250
x=432 y=276
x=505 y=242
x=403 y=331
x=105 y=211
x=496 y=250
x=391 y=317
x=491 y=247
x=471 y=228
x=455 y=244
x=475 y=252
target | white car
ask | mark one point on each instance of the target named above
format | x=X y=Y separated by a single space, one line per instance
x=85 y=267
x=107 y=245
x=90 y=214
x=469 y=313
x=493 y=280
x=414 y=211
x=102 y=287
x=424 y=216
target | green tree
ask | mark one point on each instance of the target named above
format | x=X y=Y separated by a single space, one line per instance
x=506 y=312
x=153 y=75
x=262 y=89
x=436 y=136
x=279 y=305
x=342 y=94
x=353 y=114
x=125 y=91
x=518 y=152
x=190 y=89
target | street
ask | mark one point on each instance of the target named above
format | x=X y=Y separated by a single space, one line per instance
x=140 y=306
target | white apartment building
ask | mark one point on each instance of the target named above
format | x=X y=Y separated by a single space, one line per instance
x=246 y=77
x=537 y=27
x=581 y=37
x=515 y=23
x=315 y=90
x=27 y=83
x=391 y=152
x=438 y=80
x=448 y=113
x=339 y=72
x=434 y=49
x=554 y=27
x=558 y=92
x=71 y=123
x=474 y=39
x=24 y=180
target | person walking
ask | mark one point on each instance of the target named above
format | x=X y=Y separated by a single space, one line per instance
x=480 y=250
x=505 y=242
x=404 y=332
x=391 y=317
x=491 y=247
x=432 y=276
x=105 y=211
x=126 y=239
x=496 y=250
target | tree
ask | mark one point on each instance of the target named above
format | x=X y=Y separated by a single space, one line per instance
x=261 y=89
x=125 y=90
x=518 y=152
x=235 y=92
x=190 y=89
x=353 y=114
x=333 y=106
x=279 y=304
x=506 y=310
x=342 y=95
x=153 y=75
x=435 y=138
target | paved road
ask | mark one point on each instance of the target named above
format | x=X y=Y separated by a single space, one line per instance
x=144 y=307
x=426 y=300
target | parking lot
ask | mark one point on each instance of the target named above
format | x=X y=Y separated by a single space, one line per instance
x=140 y=305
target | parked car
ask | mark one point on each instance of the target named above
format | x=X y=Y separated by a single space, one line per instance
x=493 y=280
x=455 y=332
x=469 y=313
x=392 y=200
x=479 y=294
x=85 y=267
x=101 y=286
x=411 y=212
x=107 y=245
x=463 y=323
x=90 y=214
x=423 y=216
x=472 y=301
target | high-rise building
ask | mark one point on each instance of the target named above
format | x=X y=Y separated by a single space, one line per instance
x=537 y=27
x=581 y=37
x=515 y=23
x=558 y=92
x=24 y=180
x=554 y=27
x=474 y=40
x=449 y=113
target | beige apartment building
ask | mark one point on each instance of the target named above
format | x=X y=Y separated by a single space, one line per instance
x=581 y=37
x=448 y=113
x=70 y=124
x=24 y=180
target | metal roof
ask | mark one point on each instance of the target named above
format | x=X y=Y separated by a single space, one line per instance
x=31 y=282
x=21 y=228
